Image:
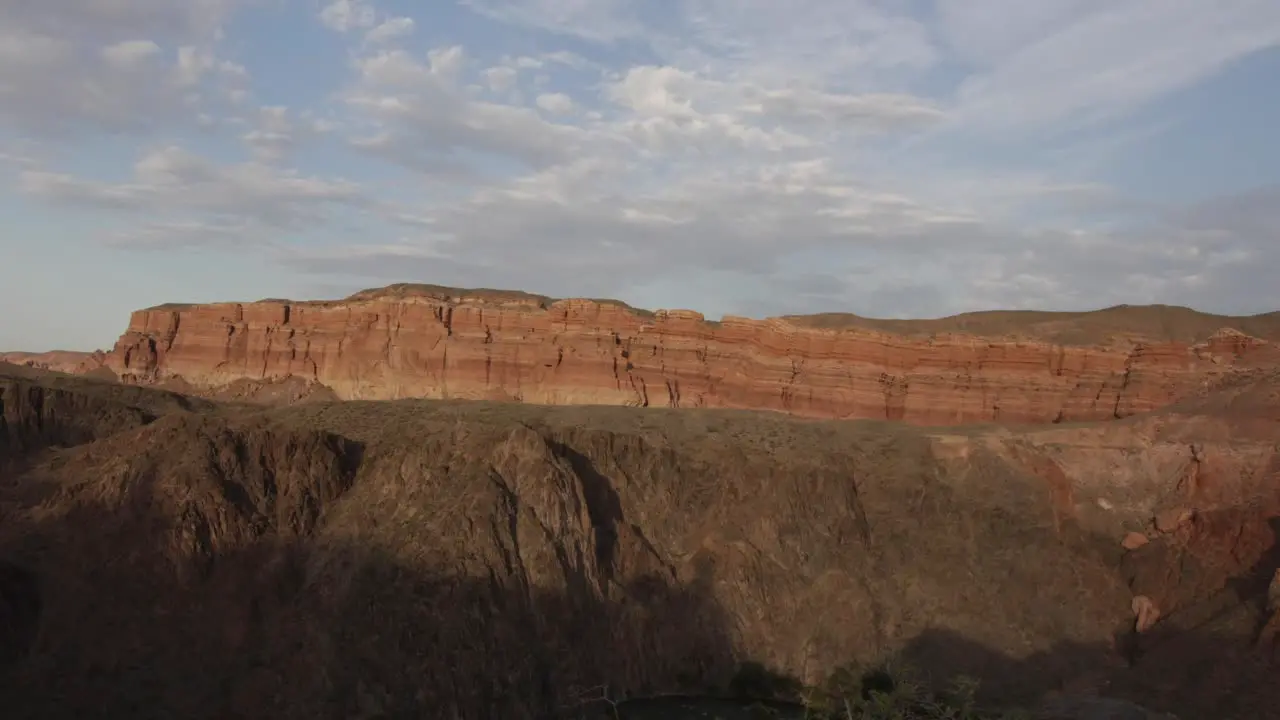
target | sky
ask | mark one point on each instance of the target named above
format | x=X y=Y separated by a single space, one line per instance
x=891 y=158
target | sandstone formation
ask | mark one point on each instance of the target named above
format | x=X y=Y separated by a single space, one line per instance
x=414 y=342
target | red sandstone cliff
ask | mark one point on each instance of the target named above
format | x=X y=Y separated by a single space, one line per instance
x=438 y=343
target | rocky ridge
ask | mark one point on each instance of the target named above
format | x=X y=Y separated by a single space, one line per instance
x=432 y=342
x=64 y=361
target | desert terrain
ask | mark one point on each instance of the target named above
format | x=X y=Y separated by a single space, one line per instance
x=424 y=502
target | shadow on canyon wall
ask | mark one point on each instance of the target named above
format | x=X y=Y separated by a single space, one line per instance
x=145 y=614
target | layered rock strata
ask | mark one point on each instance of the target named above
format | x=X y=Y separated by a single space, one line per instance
x=524 y=348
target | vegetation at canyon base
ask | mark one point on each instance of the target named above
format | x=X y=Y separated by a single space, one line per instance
x=880 y=695
x=892 y=691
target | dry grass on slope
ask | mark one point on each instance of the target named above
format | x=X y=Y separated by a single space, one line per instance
x=154 y=401
x=1164 y=323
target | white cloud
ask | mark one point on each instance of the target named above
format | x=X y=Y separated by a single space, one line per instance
x=876 y=110
x=1091 y=60
x=422 y=116
x=555 y=103
x=989 y=32
x=842 y=42
x=273 y=136
x=841 y=153
x=346 y=15
x=89 y=19
x=673 y=109
x=597 y=20
x=501 y=79
x=184 y=194
x=130 y=53
x=390 y=30
x=90 y=65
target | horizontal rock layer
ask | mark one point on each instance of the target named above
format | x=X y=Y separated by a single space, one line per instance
x=524 y=348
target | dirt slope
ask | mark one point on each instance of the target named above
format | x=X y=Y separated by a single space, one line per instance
x=365 y=559
x=1158 y=323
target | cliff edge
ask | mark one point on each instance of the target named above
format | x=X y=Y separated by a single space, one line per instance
x=409 y=341
x=431 y=342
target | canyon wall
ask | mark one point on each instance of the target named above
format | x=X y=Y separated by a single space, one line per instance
x=516 y=347
x=368 y=560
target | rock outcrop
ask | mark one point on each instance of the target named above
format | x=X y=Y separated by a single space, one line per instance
x=439 y=343
x=39 y=411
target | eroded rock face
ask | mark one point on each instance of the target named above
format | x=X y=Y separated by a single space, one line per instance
x=523 y=348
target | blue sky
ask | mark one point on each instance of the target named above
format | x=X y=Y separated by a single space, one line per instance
x=895 y=158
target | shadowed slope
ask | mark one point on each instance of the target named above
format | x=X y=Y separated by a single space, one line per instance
x=477 y=560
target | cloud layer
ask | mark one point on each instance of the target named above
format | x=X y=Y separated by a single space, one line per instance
x=886 y=157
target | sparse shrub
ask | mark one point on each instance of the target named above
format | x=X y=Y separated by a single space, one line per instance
x=894 y=693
